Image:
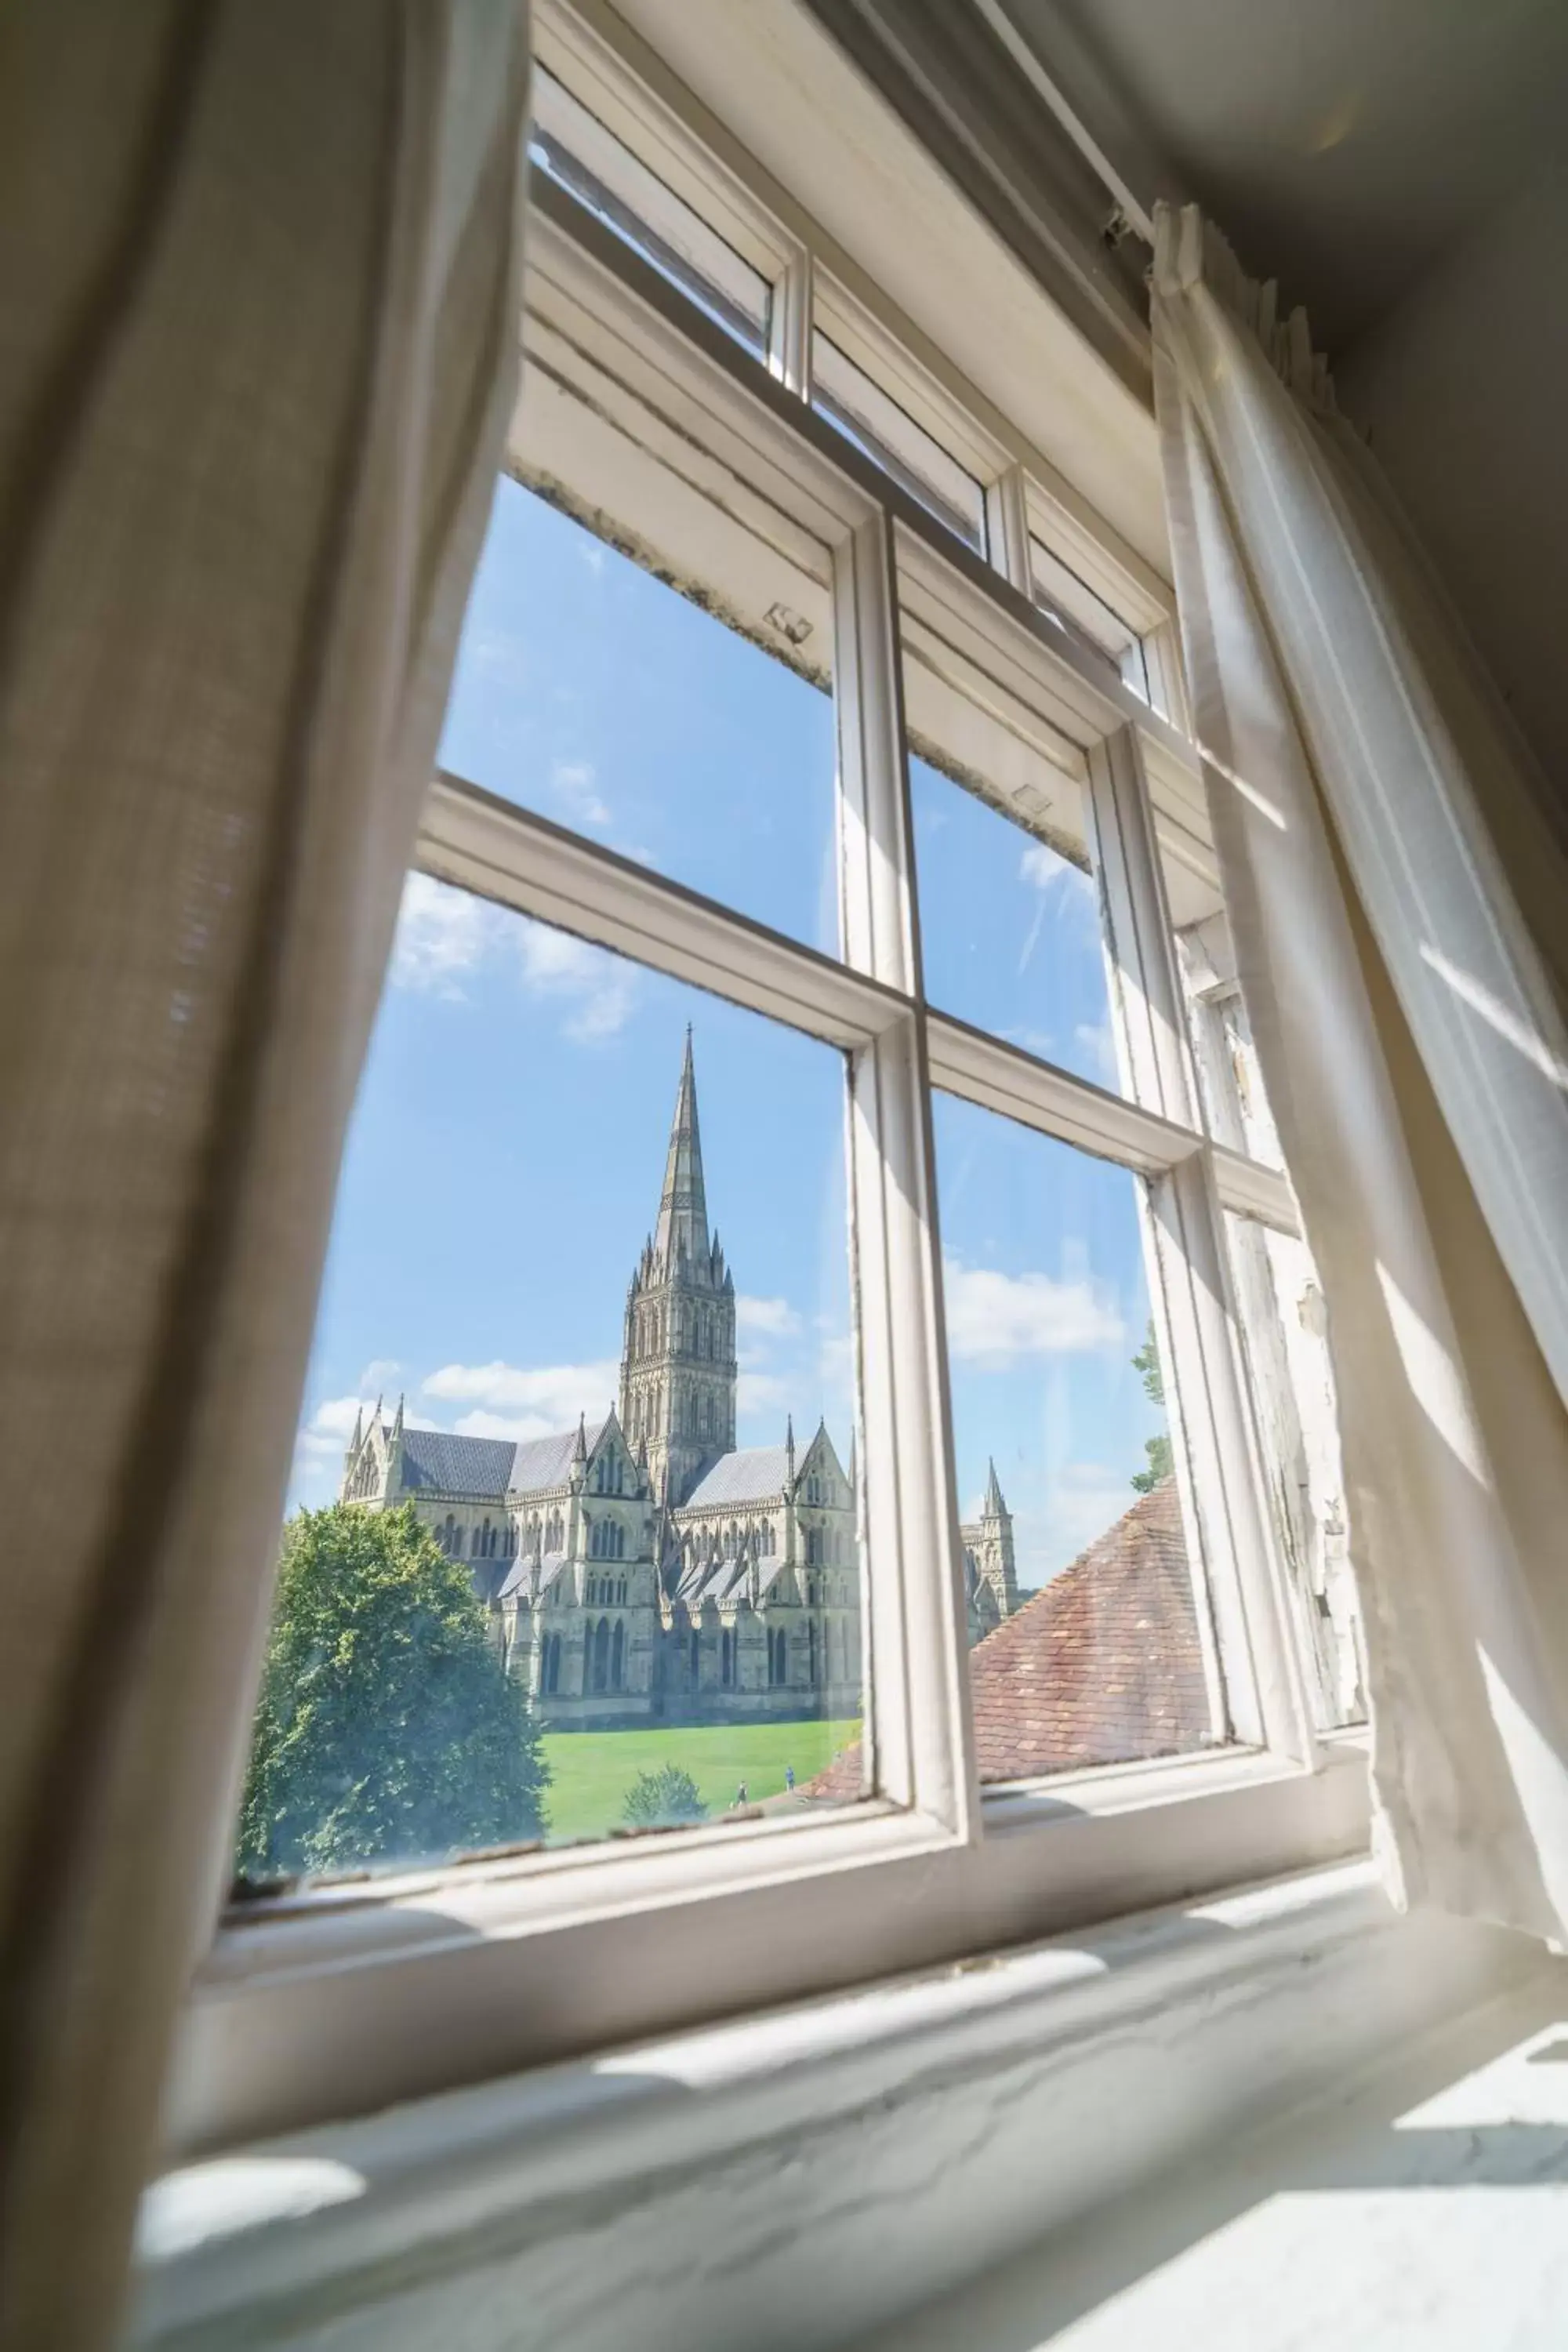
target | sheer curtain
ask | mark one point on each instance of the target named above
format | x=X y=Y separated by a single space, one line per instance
x=258 y=329
x=1400 y=909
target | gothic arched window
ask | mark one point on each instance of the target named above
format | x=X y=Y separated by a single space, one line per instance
x=602 y=1655
x=811 y=1647
x=695 y=1660
x=617 y=1656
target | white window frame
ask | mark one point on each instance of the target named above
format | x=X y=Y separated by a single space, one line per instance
x=328 y=2003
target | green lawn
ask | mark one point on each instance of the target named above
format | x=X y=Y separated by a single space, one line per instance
x=591 y=1770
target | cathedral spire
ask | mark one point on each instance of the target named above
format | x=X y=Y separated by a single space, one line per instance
x=683 y=1204
x=994 y=1507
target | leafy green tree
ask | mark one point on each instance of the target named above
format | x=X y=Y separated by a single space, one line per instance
x=1158 y=1449
x=663 y=1799
x=387 y=1727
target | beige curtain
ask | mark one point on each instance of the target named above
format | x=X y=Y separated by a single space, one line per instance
x=259 y=312
x=1400 y=911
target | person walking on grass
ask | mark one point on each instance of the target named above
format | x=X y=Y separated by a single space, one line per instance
x=789 y=1776
x=741 y=1797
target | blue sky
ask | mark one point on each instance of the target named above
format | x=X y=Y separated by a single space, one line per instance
x=505 y=1157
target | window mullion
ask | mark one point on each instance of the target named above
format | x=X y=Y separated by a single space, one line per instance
x=1007 y=529
x=1243 y=1603
x=789 y=326
x=914 y=1612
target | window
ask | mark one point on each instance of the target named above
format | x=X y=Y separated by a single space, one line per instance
x=604 y=175
x=843 y=392
x=1073 y=1513
x=663 y=802
x=627 y=715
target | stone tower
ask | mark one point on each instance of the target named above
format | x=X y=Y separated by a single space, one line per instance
x=993 y=1545
x=678 y=1364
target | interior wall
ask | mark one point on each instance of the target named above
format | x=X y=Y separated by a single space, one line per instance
x=1462 y=387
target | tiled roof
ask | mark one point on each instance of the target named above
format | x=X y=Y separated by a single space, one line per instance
x=708 y=1580
x=457 y=1466
x=544 y=1462
x=748 y=1476
x=1100 y=1666
x=488 y=1468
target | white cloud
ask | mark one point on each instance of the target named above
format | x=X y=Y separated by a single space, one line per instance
x=572 y=781
x=443 y=934
x=379 y=1375
x=1098 y=1049
x=1033 y=1041
x=321 y=1442
x=1048 y=870
x=521 y=1426
x=496 y=654
x=765 y=1319
x=993 y=1319
x=1083 y=1502
x=761 y=1392
x=595 y=989
x=510 y=1400
x=337 y=1416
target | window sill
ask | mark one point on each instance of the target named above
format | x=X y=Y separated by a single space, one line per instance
x=326 y=2008
x=906 y=2136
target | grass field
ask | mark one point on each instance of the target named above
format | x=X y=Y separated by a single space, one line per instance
x=591 y=1770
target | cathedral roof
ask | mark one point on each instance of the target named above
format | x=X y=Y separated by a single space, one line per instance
x=490 y=1468
x=457 y=1466
x=521 y=1575
x=543 y=1462
x=750 y=1476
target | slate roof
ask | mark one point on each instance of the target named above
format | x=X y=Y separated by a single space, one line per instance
x=457 y=1466
x=521 y=1578
x=708 y=1580
x=1102 y=1666
x=750 y=1476
x=489 y=1468
x=543 y=1462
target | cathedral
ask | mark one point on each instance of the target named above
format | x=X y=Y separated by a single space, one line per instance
x=647 y=1569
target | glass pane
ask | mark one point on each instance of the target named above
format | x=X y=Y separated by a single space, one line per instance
x=1284 y=1327
x=1083 y=1625
x=1058 y=588
x=572 y=1547
x=890 y=436
x=1010 y=930
x=589 y=691
x=603 y=173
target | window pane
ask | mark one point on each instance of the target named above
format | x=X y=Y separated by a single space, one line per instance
x=1010 y=930
x=890 y=436
x=1083 y=1624
x=589 y=691
x=573 y=1541
x=604 y=175
x=1284 y=1327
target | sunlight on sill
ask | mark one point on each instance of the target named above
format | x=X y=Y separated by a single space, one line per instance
x=185 y=2210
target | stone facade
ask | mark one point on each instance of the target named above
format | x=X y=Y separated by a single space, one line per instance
x=647 y=1569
